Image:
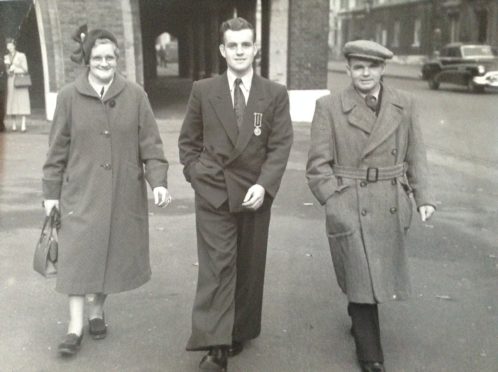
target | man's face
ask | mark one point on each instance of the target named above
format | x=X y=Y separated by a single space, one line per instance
x=103 y=63
x=365 y=74
x=239 y=50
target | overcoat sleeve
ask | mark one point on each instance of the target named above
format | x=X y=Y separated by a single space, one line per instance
x=151 y=147
x=58 y=151
x=190 y=141
x=319 y=174
x=416 y=157
x=278 y=146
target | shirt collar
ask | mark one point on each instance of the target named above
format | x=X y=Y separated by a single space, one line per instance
x=98 y=87
x=246 y=79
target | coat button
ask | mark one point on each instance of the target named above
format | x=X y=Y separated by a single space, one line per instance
x=112 y=103
x=393 y=181
x=393 y=210
x=363 y=183
x=363 y=212
x=106 y=166
x=106 y=133
x=394 y=296
x=394 y=152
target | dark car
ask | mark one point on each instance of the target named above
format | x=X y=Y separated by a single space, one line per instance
x=472 y=65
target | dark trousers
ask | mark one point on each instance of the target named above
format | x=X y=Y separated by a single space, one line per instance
x=232 y=255
x=366 y=331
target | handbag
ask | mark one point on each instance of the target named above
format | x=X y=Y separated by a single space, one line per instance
x=22 y=80
x=46 y=251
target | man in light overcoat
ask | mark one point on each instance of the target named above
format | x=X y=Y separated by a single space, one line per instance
x=366 y=163
x=234 y=144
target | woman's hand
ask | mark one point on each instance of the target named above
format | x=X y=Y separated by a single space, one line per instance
x=162 y=196
x=49 y=204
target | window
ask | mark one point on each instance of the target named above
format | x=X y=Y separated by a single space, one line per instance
x=454 y=28
x=396 y=33
x=417 y=29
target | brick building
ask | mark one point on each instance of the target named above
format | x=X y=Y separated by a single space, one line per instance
x=415 y=27
x=292 y=36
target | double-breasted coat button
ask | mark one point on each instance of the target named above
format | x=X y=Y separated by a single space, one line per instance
x=106 y=133
x=393 y=181
x=393 y=210
x=363 y=183
x=112 y=103
x=394 y=152
x=363 y=212
x=106 y=166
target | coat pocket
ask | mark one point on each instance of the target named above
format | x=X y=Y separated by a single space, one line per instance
x=405 y=204
x=339 y=211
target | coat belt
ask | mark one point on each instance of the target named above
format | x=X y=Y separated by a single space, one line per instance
x=371 y=174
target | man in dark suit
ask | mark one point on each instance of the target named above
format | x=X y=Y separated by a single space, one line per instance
x=234 y=145
x=366 y=163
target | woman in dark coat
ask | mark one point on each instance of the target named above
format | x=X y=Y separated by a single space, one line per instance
x=104 y=144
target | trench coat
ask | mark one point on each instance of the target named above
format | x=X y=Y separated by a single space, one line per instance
x=366 y=222
x=100 y=154
x=18 y=102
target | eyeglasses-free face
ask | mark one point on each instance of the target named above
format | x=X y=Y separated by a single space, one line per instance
x=365 y=74
x=239 y=50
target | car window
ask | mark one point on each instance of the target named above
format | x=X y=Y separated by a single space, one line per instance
x=477 y=51
x=454 y=52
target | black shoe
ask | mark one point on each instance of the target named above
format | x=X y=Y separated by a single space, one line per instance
x=215 y=360
x=372 y=367
x=70 y=345
x=97 y=328
x=235 y=349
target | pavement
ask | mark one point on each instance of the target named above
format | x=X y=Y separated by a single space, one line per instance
x=449 y=325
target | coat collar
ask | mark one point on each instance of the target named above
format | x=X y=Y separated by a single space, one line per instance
x=83 y=86
x=361 y=116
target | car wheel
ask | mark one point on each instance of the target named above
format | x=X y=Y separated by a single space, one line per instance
x=433 y=83
x=473 y=88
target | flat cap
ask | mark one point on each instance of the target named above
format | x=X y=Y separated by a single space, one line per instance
x=366 y=49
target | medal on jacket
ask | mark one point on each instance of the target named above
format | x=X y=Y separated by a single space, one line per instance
x=258 y=119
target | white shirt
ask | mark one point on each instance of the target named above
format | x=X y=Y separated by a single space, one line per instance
x=98 y=87
x=245 y=86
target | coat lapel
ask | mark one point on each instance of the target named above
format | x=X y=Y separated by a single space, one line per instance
x=358 y=114
x=390 y=115
x=222 y=104
x=83 y=86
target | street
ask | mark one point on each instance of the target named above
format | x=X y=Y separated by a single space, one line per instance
x=450 y=324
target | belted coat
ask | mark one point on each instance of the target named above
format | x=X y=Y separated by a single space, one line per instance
x=100 y=155
x=366 y=222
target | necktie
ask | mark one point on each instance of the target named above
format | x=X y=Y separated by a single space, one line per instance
x=239 y=103
x=371 y=102
x=102 y=93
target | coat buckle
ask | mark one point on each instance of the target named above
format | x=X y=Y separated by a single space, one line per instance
x=375 y=176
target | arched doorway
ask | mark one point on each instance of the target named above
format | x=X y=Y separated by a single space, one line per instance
x=167 y=55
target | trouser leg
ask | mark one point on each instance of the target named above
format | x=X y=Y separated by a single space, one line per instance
x=366 y=331
x=214 y=305
x=251 y=258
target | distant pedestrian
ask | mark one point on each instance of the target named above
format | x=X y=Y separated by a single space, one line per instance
x=234 y=144
x=18 y=103
x=366 y=159
x=104 y=144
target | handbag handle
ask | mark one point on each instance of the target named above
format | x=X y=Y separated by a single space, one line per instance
x=53 y=219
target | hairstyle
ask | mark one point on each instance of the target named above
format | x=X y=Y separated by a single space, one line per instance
x=10 y=40
x=102 y=41
x=235 y=24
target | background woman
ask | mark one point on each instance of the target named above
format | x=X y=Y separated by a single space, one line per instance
x=104 y=144
x=18 y=103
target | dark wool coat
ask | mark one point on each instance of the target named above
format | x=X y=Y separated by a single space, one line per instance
x=95 y=166
x=367 y=221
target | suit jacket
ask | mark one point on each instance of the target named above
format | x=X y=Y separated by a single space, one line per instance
x=222 y=161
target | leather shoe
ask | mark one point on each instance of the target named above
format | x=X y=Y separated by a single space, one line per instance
x=235 y=349
x=372 y=367
x=97 y=328
x=215 y=360
x=70 y=345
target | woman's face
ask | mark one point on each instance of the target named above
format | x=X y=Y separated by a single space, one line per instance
x=103 y=63
x=11 y=47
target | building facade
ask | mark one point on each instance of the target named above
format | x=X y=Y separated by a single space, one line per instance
x=415 y=27
x=292 y=37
